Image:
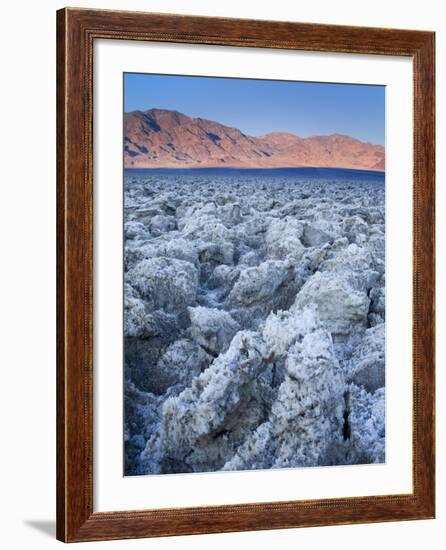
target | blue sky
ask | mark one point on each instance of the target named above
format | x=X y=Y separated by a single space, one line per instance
x=258 y=107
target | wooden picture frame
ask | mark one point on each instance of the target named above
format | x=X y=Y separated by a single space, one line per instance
x=76 y=31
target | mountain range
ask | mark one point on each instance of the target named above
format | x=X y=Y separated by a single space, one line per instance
x=160 y=138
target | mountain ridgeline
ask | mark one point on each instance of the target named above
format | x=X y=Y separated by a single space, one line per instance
x=159 y=138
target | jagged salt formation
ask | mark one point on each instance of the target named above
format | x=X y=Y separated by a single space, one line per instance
x=307 y=413
x=254 y=313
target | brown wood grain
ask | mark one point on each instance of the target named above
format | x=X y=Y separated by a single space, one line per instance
x=76 y=31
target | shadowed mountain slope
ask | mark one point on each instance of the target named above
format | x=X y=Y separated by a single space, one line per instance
x=159 y=138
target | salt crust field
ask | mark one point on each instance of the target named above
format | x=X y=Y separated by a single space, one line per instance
x=254 y=319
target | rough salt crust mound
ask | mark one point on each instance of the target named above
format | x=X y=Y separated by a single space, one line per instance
x=254 y=321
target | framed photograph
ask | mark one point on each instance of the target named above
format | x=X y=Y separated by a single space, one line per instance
x=245 y=275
